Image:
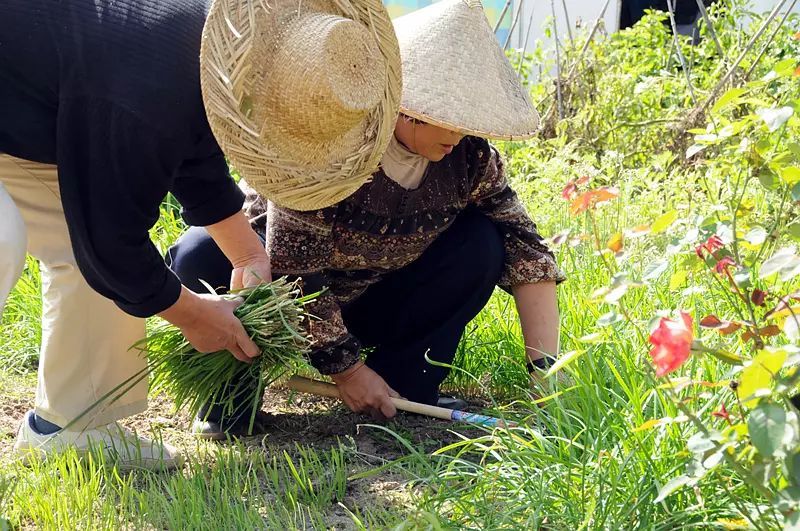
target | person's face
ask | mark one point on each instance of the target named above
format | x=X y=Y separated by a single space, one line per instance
x=426 y=140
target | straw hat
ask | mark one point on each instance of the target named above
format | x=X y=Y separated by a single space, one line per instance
x=302 y=96
x=456 y=75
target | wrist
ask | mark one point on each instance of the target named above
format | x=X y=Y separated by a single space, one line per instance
x=347 y=374
x=251 y=258
x=238 y=241
x=182 y=312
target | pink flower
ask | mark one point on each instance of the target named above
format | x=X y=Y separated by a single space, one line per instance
x=672 y=343
x=724 y=264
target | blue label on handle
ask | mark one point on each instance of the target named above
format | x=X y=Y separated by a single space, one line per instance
x=474 y=418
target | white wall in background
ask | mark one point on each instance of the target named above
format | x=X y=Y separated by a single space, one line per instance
x=535 y=14
x=760 y=6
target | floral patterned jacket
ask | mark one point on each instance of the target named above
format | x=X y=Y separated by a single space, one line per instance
x=383 y=227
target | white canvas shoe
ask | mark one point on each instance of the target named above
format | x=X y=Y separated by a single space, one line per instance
x=118 y=445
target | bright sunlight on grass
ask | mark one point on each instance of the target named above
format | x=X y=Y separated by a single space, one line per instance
x=633 y=177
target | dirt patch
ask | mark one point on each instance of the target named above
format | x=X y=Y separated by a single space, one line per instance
x=312 y=421
x=296 y=419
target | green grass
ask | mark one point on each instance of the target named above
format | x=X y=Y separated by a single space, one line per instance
x=20 y=323
x=578 y=460
x=576 y=463
x=221 y=488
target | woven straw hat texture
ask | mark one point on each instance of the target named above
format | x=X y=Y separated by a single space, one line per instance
x=456 y=75
x=302 y=96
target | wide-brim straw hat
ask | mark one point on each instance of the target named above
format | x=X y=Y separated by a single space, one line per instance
x=302 y=96
x=456 y=75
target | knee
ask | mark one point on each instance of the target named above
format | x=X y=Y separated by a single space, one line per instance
x=195 y=257
x=483 y=250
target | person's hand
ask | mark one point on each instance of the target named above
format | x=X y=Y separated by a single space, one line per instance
x=364 y=391
x=208 y=323
x=253 y=273
x=244 y=249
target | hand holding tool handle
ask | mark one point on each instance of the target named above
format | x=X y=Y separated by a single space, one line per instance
x=315 y=387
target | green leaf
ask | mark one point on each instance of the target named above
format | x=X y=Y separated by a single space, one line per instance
x=663 y=222
x=781 y=159
x=729 y=97
x=788 y=499
x=786 y=67
x=790 y=175
x=700 y=443
x=694 y=149
x=655 y=269
x=759 y=374
x=794 y=228
x=763 y=147
x=775 y=117
x=793 y=468
x=792 y=522
x=678 y=279
x=769 y=179
x=607 y=319
x=742 y=278
x=727 y=357
x=756 y=236
x=767 y=427
x=563 y=361
x=671 y=486
x=782 y=259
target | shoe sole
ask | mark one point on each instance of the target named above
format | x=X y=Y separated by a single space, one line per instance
x=29 y=456
x=213 y=436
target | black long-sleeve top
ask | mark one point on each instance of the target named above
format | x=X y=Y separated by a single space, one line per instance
x=109 y=91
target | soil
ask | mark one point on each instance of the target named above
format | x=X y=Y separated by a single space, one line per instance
x=312 y=421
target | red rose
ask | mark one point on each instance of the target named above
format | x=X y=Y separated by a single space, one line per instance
x=672 y=343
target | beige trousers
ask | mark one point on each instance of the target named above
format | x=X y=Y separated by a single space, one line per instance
x=86 y=339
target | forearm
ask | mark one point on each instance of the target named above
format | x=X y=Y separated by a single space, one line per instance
x=537 y=306
x=237 y=240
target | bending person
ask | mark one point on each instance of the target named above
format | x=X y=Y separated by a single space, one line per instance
x=101 y=115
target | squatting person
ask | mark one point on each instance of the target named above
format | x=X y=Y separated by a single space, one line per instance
x=414 y=254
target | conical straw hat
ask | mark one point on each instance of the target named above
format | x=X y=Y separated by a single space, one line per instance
x=456 y=76
x=302 y=96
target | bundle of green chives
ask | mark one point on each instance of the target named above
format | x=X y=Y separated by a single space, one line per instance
x=272 y=315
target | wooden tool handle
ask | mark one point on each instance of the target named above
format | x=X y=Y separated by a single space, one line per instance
x=315 y=387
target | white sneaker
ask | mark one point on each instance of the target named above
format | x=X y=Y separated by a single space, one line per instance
x=119 y=445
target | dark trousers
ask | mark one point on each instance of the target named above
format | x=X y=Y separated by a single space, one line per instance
x=418 y=310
